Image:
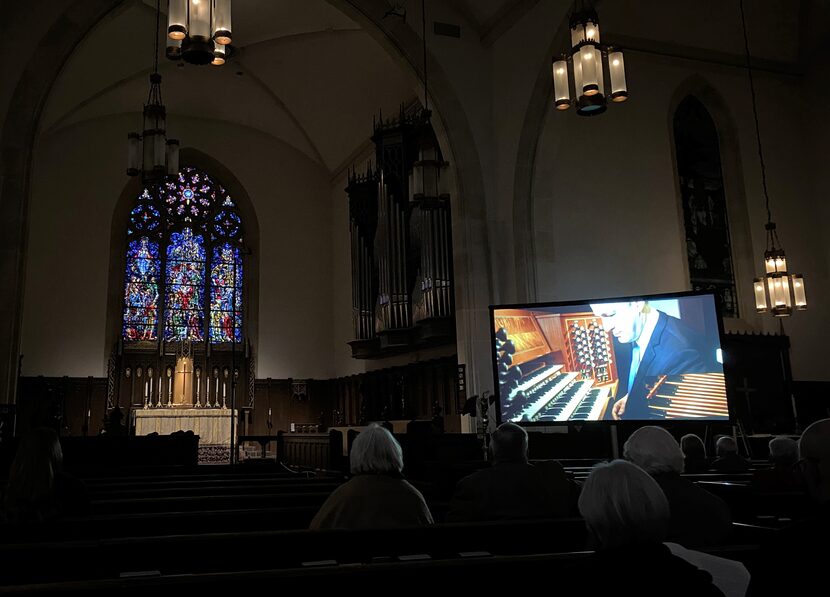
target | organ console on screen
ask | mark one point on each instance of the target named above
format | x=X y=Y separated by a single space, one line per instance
x=569 y=363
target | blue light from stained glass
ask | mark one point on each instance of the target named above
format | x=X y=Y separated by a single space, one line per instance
x=226 y=294
x=141 y=292
x=184 y=305
x=208 y=225
x=227 y=224
x=144 y=218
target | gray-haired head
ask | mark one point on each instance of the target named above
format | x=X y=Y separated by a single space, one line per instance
x=783 y=451
x=375 y=451
x=654 y=450
x=726 y=445
x=622 y=505
x=814 y=450
x=692 y=446
x=508 y=443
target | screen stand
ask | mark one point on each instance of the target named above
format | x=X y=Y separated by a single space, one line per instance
x=738 y=432
x=615 y=446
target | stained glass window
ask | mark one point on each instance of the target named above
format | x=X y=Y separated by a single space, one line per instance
x=185 y=307
x=199 y=227
x=225 y=292
x=708 y=245
x=141 y=291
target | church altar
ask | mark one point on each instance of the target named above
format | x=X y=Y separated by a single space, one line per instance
x=212 y=425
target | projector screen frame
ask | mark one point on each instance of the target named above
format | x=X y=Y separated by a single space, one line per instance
x=539 y=425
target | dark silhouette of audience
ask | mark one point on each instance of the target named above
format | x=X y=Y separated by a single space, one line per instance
x=113 y=423
x=377 y=496
x=512 y=488
x=698 y=518
x=783 y=454
x=795 y=560
x=694 y=454
x=38 y=490
x=727 y=458
x=627 y=516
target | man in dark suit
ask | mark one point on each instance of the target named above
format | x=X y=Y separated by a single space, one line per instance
x=648 y=343
x=512 y=488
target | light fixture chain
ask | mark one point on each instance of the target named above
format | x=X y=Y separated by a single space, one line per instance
x=424 y=40
x=755 y=112
x=158 y=25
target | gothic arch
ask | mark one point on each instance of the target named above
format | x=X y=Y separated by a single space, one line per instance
x=115 y=282
x=733 y=180
x=20 y=127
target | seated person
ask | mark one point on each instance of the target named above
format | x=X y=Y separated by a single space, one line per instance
x=795 y=559
x=698 y=518
x=511 y=487
x=728 y=460
x=38 y=490
x=377 y=496
x=627 y=514
x=783 y=454
x=113 y=423
x=694 y=454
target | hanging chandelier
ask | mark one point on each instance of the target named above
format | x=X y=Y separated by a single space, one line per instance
x=199 y=31
x=777 y=292
x=151 y=154
x=586 y=65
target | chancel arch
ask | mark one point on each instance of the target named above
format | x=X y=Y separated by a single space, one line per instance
x=183 y=278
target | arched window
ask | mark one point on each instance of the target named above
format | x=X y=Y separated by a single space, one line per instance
x=198 y=226
x=708 y=245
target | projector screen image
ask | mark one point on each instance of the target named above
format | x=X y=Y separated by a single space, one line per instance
x=642 y=359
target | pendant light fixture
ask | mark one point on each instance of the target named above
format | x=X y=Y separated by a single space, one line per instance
x=199 y=31
x=151 y=154
x=428 y=179
x=587 y=65
x=777 y=292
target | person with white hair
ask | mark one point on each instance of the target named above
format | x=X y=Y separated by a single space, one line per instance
x=783 y=454
x=795 y=560
x=377 y=496
x=627 y=515
x=694 y=454
x=728 y=460
x=698 y=518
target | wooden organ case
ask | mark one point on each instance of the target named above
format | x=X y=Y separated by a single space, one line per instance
x=401 y=246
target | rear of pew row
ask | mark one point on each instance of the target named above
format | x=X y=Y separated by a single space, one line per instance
x=472 y=571
x=216 y=489
x=272 y=498
x=261 y=550
x=235 y=552
x=148 y=524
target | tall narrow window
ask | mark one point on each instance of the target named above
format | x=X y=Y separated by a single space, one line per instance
x=226 y=295
x=179 y=234
x=141 y=280
x=226 y=276
x=708 y=245
x=185 y=305
x=141 y=293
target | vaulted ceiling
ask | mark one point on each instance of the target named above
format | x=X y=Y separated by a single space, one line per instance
x=303 y=73
x=313 y=78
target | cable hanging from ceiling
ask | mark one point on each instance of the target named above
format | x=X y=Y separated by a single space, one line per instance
x=777 y=292
x=151 y=154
